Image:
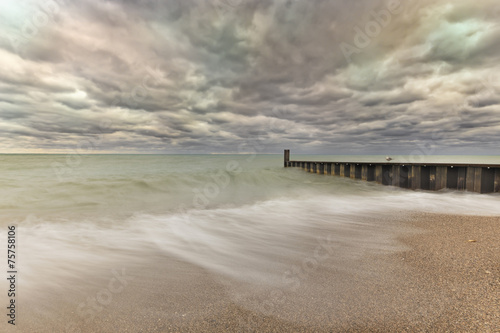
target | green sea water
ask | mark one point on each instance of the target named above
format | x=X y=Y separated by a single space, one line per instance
x=242 y=217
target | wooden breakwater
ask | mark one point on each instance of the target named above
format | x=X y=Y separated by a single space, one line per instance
x=480 y=178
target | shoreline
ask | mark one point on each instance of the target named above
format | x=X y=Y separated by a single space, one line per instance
x=435 y=281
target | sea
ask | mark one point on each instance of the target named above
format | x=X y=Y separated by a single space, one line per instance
x=239 y=217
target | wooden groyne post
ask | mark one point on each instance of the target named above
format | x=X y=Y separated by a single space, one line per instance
x=480 y=178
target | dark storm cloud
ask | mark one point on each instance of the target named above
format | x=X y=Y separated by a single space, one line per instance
x=320 y=76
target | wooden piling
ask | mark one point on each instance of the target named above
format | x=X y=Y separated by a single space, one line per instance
x=347 y=170
x=404 y=176
x=321 y=168
x=396 y=175
x=336 y=169
x=478 y=172
x=434 y=176
x=370 y=173
x=364 y=172
x=379 y=176
x=416 y=177
x=358 y=169
x=452 y=177
x=387 y=170
x=487 y=180
x=470 y=179
x=496 y=183
x=352 y=171
x=462 y=182
x=441 y=177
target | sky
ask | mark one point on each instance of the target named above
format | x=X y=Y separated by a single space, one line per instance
x=238 y=76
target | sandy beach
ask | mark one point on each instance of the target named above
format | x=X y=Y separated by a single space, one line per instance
x=458 y=260
x=443 y=277
x=250 y=166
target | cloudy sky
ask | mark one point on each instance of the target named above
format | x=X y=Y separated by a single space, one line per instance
x=228 y=76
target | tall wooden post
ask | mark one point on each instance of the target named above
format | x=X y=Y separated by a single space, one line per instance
x=364 y=172
x=497 y=180
x=287 y=157
x=336 y=169
x=321 y=168
x=470 y=178
x=462 y=174
x=416 y=177
x=396 y=175
x=441 y=177
x=352 y=172
x=378 y=174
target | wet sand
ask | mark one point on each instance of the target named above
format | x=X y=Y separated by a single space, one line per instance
x=437 y=281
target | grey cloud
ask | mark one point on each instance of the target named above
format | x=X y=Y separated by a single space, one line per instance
x=200 y=76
